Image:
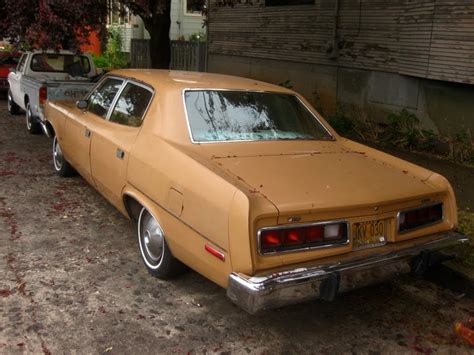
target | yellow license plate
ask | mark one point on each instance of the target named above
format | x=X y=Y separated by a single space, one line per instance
x=368 y=234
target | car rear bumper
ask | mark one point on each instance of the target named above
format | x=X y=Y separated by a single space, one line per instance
x=324 y=281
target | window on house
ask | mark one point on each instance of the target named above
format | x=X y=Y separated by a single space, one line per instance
x=118 y=14
x=192 y=7
x=288 y=2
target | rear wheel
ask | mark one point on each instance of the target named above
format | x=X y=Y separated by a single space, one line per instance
x=154 y=250
x=13 y=108
x=61 y=166
x=32 y=125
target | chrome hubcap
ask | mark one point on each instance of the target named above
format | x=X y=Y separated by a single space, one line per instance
x=28 y=117
x=151 y=239
x=9 y=102
x=57 y=155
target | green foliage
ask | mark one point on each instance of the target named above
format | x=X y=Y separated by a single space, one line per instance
x=113 y=57
x=404 y=131
x=462 y=147
x=343 y=125
x=198 y=37
x=286 y=84
x=466 y=226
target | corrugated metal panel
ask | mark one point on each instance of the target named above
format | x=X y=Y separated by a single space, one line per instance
x=424 y=38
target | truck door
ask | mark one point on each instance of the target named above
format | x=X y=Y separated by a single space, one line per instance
x=113 y=140
x=14 y=79
x=78 y=132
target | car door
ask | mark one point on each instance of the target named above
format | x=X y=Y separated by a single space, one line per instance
x=14 y=79
x=113 y=139
x=78 y=133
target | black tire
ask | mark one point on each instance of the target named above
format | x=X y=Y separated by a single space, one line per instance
x=32 y=124
x=154 y=250
x=61 y=165
x=13 y=108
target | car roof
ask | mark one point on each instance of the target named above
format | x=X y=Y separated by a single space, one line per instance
x=166 y=80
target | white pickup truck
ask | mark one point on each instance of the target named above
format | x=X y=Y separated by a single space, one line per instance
x=48 y=75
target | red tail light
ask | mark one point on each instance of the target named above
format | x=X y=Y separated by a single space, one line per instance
x=275 y=239
x=420 y=217
x=43 y=94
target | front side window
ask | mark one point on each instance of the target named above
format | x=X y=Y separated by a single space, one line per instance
x=216 y=116
x=75 y=65
x=102 y=97
x=131 y=105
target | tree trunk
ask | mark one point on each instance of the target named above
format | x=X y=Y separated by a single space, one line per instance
x=160 y=45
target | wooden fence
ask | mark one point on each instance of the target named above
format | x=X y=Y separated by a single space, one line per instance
x=185 y=55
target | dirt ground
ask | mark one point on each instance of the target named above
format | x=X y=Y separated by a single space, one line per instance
x=72 y=282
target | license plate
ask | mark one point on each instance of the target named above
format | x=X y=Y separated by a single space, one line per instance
x=368 y=234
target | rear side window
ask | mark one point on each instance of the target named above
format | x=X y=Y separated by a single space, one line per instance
x=102 y=97
x=131 y=105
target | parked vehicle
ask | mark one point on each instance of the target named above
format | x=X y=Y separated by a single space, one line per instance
x=49 y=75
x=247 y=184
x=8 y=60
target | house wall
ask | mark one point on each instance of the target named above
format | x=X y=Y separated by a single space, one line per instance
x=366 y=56
x=182 y=24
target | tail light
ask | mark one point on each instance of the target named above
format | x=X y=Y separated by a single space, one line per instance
x=43 y=94
x=420 y=217
x=279 y=239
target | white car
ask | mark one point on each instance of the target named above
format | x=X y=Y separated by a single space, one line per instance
x=48 y=75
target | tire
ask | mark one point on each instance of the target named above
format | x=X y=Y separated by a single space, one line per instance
x=154 y=250
x=13 y=108
x=32 y=125
x=61 y=166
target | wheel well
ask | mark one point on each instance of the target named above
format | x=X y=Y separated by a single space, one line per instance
x=132 y=206
x=50 y=128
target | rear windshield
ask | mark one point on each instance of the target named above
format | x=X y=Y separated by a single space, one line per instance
x=75 y=65
x=215 y=115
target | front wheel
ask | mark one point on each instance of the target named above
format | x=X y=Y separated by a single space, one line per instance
x=13 y=108
x=154 y=250
x=61 y=166
x=32 y=125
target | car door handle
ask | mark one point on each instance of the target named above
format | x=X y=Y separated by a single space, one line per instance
x=120 y=153
x=87 y=133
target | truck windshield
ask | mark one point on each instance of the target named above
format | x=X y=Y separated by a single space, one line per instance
x=216 y=116
x=75 y=65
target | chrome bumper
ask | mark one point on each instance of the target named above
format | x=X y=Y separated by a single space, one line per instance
x=324 y=281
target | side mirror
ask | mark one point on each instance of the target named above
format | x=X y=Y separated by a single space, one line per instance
x=81 y=104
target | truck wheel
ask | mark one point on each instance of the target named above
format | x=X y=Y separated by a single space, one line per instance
x=32 y=125
x=154 y=250
x=13 y=108
x=61 y=166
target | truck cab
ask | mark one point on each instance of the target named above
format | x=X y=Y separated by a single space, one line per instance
x=48 y=75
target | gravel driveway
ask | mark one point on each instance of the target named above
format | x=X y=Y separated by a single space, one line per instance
x=72 y=281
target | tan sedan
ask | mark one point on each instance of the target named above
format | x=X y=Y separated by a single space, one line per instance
x=247 y=184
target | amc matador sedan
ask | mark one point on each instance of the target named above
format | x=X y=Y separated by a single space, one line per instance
x=247 y=184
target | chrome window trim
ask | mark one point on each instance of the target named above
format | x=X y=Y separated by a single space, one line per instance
x=87 y=98
x=136 y=83
x=249 y=140
x=125 y=81
x=303 y=225
x=424 y=225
